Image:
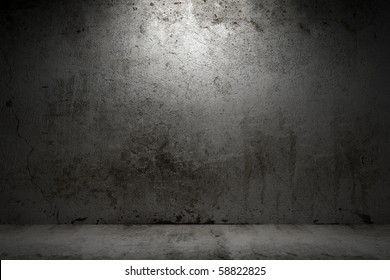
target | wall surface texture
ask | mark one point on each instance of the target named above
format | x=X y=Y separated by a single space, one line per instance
x=195 y=111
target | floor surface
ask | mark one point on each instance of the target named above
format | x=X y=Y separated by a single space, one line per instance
x=194 y=242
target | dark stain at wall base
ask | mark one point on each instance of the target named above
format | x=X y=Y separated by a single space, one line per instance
x=79 y=220
x=161 y=222
x=366 y=218
x=316 y=222
x=209 y=222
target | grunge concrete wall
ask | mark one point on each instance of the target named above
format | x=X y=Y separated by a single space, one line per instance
x=195 y=111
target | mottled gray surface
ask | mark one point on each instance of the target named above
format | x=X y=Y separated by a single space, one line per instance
x=194 y=242
x=195 y=111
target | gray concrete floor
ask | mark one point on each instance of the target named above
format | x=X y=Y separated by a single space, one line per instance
x=194 y=242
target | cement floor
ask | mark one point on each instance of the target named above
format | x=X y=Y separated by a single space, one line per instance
x=194 y=242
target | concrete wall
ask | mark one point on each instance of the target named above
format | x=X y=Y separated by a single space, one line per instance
x=195 y=111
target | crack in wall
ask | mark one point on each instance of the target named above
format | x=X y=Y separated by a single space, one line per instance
x=9 y=104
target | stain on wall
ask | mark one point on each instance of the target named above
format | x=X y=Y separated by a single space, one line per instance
x=194 y=111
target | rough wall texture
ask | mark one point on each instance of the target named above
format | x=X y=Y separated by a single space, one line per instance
x=199 y=111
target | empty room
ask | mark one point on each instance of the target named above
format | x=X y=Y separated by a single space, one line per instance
x=195 y=130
